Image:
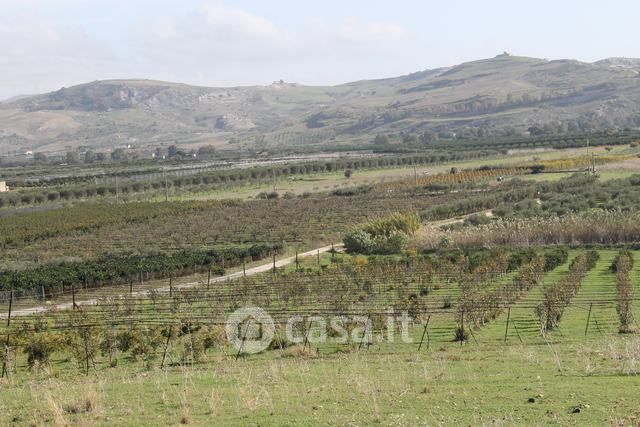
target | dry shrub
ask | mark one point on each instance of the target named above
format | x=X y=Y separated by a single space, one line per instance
x=91 y=400
x=300 y=351
x=185 y=410
x=594 y=227
x=214 y=403
x=56 y=411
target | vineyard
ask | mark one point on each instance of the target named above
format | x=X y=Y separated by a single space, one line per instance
x=479 y=297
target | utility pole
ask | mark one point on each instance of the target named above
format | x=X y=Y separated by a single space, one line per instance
x=116 y=189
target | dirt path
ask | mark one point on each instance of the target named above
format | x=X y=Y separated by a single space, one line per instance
x=249 y=272
x=456 y=220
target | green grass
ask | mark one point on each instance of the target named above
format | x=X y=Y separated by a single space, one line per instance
x=452 y=385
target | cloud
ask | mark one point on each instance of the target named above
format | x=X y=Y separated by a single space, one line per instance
x=38 y=55
x=219 y=43
x=359 y=31
x=237 y=22
x=210 y=43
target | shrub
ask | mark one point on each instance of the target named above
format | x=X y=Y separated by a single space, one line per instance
x=358 y=241
x=39 y=348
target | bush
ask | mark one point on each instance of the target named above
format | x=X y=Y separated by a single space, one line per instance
x=38 y=349
x=461 y=334
x=477 y=219
x=555 y=257
x=387 y=245
x=358 y=241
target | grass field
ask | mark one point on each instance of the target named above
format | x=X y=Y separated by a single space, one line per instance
x=472 y=385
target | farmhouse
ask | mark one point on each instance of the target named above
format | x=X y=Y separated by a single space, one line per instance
x=3 y=187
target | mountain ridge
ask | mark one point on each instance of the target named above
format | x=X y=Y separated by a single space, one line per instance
x=493 y=96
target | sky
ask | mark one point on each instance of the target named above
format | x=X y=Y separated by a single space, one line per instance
x=48 y=44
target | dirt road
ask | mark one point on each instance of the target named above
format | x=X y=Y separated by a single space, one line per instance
x=249 y=272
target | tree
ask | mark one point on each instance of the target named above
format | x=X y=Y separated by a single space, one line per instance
x=348 y=173
x=73 y=157
x=89 y=157
x=381 y=139
x=428 y=137
x=172 y=151
x=39 y=158
x=118 y=154
x=409 y=139
x=206 y=151
x=101 y=157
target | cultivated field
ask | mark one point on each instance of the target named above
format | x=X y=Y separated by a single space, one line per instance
x=490 y=291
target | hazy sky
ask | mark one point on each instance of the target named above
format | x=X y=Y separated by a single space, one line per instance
x=46 y=44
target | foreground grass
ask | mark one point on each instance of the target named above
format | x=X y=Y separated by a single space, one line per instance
x=447 y=384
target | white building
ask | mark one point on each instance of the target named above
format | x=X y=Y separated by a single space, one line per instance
x=3 y=187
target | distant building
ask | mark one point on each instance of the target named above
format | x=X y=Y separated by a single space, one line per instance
x=3 y=187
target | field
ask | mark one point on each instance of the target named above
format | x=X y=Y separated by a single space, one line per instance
x=494 y=290
x=565 y=378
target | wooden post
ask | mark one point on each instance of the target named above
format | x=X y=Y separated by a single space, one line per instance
x=297 y=262
x=462 y=327
x=244 y=338
x=274 y=263
x=10 y=305
x=586 y=328
x=333 y=251
x=170 y=285
x=506 y=330
x=73 y=296
x=166 y=346
x=130 y=287
x=517 y=332
x=318 y=256
x=44 y=297
x=209 y=277
x=426 y=325
x=244 y=269
x=306 y=337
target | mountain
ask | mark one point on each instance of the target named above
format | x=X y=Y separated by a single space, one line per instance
x=502 y=95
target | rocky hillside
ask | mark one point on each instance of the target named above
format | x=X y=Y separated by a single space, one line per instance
x=497 y=96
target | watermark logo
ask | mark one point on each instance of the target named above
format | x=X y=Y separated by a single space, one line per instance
x=250 y=330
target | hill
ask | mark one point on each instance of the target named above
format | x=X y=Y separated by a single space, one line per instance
x=505 y=95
